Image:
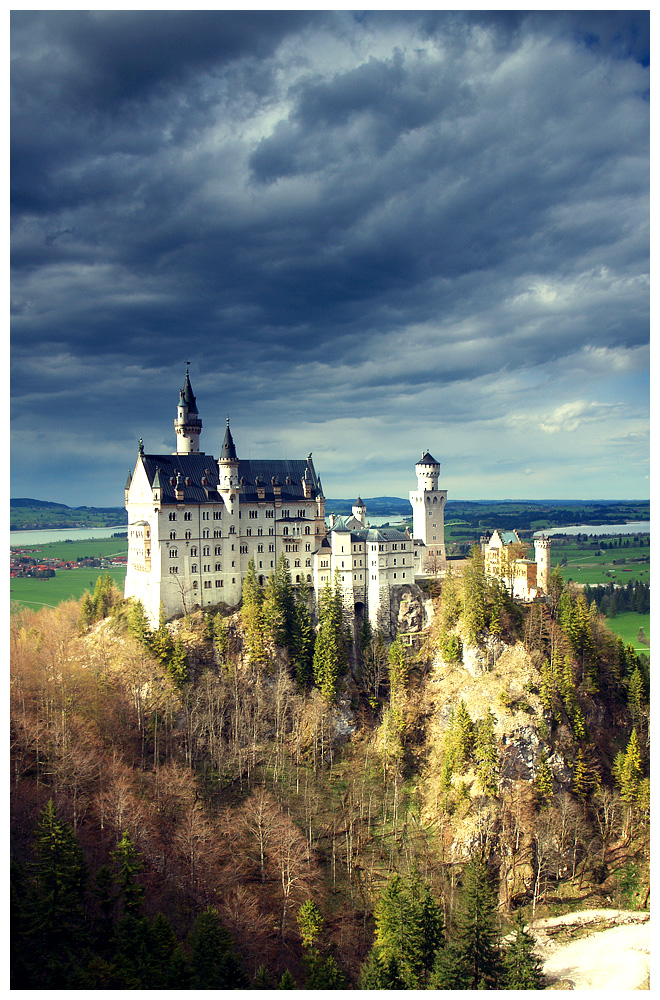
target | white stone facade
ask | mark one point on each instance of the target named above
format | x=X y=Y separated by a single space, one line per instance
x=195 y=522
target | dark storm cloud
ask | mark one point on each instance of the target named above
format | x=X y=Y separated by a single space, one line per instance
x=335 y=214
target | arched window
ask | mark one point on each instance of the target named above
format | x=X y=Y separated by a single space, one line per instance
x=172 y=534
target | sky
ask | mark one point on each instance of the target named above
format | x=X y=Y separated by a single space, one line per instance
x=371 y=234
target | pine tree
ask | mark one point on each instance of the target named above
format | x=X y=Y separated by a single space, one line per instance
x=138 y=623
x=409 y=931
x=213 y=963
x=543 y=782
x=472 y=960
x=178 y=664
x=252 y=599
x=127 y=865
x=310 y=923
x=522 y=969
x=287 y=982
x=302 y=649
x=474 y=588
x=485 y=753
x=162 y=644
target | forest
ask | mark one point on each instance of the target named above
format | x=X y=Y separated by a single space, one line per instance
x=281 y=797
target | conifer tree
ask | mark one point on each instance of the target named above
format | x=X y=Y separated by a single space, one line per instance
x=178 y=664
x=213 y=963
x=127 y=865
x=287 y=982
x=521 y=967
x=472 y=959
x=302 y=649
x=543 y=782
x=252 y=599
x=485 y=753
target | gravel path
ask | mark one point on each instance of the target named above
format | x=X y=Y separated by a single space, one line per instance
x=615 y=958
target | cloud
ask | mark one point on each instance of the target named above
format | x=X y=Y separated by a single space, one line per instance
x=397 y=217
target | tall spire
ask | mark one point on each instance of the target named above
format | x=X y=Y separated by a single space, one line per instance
x=228 y=452
x=187 y=423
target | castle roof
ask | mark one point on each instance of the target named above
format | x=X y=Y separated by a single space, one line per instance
x=192 y=468
x=228 y=450
x=187 y=396
x=427 y=459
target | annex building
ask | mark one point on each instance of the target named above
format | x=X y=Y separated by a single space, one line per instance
x=195 y=522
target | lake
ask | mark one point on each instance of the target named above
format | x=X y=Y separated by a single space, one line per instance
x=44 y=535
x=632 y=528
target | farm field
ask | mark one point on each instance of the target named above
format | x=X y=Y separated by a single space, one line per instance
x=616 y=565
x=66 y=584
x=627 y=625
x=104 y=548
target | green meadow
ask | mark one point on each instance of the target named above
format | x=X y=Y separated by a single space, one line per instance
x=627 y=625
x=67 y=583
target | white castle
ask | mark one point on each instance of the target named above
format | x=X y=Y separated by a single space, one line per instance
x=194 y=524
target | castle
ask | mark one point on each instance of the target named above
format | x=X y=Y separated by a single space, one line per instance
x=194 y=524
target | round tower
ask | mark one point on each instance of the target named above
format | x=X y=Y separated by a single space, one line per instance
x=359 y=511
x=187 y=423
x=542 y=552
x=428 y=472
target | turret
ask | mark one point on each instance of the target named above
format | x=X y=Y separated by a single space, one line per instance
x=428 y=472
x=187 y=423
x=228 y=463
x=359 y=511
x=542 y=551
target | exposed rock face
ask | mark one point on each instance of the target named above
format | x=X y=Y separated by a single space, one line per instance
x=410 y=608
x=477 y=660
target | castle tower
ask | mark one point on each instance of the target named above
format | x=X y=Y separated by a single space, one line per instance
x=542 y=550
x=359 y=511
x=228 y=464
x=187 y=423
x=428 y=504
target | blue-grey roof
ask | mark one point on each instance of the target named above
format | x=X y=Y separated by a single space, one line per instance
x=427 y=459
x=194 y=467
x=187 y=395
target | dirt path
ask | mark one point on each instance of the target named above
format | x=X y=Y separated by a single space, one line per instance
x=614 y=956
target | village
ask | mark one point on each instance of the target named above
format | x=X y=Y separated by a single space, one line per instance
x=28 y=562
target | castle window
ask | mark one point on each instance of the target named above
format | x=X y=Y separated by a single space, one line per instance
x=187 y=516
x=218 y=550
x=172 y=534
x=271 y=531
x=244 y=549
x=301 y=513
x=207 y=568
x=249 y=531
x=205 y=533
x=285 y=530
x=207 y=584
x=188 y=534
x=253 y=514
x=172 y=516
x=217 y=514
x=308 y=562
x=205 y=515
x=193 y=551
x=193 y=568
x=285 y=513
x=217 y=534
x=297 y=562
x=194 y=584
x=218 y=583
x=174 y=569
x=207 y=550
x=173 y=553
x=308 y=547
x=260 y=548
x=218 y=567
x=260 y=531
x=271 y=548
x=270 y=513
x=307 y=529
x=232 y=530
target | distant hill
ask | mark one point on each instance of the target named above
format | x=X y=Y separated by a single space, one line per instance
x=28 y=502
